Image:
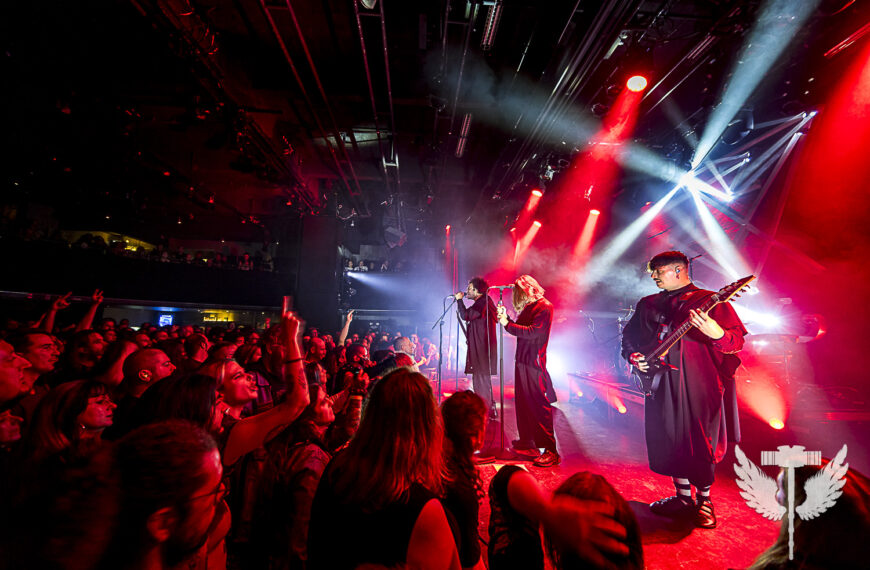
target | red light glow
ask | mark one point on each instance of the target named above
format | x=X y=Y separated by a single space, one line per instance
x=447 y=228
x=621 y=409
x=536 y=223
x=537 y=193
x=636 y=83
x=776 y=423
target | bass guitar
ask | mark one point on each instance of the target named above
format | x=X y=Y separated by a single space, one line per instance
x=648 y=382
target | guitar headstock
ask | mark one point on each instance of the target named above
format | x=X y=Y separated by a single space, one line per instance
x=734 y=289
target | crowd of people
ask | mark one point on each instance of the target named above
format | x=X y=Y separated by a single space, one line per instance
x=180 y=447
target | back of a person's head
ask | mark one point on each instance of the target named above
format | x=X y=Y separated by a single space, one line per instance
x=464 y=415
x=399 y=442
x=402 y=344
x=188 y=398
x=588 y=486
x=193 y=343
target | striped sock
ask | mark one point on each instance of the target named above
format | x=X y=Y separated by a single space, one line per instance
x=684 y=489
x=703 y=493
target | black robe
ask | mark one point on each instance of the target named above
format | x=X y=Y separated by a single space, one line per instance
x=693 y=415
x=482 y=355
x=534 y=388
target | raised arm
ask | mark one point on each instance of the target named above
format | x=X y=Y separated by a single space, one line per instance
x=250 y=433
x=540 y=325
x=46 y=323
x=344 y=330
x=87 y=320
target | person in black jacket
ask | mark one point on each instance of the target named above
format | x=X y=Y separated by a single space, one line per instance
x=534 y=388
x=480 y=360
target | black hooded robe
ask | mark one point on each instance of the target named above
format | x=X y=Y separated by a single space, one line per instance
x=693 y=415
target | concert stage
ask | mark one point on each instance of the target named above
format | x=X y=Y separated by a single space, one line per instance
x=594 y=437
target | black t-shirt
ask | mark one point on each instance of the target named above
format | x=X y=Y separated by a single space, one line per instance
x=514 y=541
x=342 y=535
x=461 y=501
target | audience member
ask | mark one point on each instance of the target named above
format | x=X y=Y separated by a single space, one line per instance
x=380 y=494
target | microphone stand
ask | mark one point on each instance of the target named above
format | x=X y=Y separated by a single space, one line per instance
x=440 y=324
x=503 y=451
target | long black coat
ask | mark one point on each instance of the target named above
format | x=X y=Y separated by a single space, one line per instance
x=482 y=356
x=532 y=329
x=691 y=418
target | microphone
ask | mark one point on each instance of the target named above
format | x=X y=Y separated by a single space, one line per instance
x=501 y=286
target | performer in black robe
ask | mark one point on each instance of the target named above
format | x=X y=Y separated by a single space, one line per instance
x=534 y=388
x=481 y=357
x=692 y=416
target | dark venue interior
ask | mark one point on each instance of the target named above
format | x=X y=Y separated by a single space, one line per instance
x=376 y=283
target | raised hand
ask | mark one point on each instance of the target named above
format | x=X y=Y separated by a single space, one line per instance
x=587 y=528
x=459 y=296
x=97 y=297
x=349 y=316
x=61 y=302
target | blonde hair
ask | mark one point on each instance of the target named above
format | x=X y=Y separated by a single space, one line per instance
x=526 y=290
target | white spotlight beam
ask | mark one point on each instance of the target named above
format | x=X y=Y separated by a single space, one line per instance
x=779 y=23
x=721 y=247
x=601 y=262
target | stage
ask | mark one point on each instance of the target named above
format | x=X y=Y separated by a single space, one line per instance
x=593 y=436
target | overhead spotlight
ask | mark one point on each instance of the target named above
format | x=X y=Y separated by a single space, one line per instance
x=536 y=223
x=636 y=83
x=776 y=423
x=595 y=212
x=537 y=193
x=447 y=228
x=489 y=30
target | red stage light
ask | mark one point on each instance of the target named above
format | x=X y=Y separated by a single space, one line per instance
x=776 y=423
x=447 y=228
x=636 y=83
x=621 y=409
x=536 y=223
x=537 y=193
x=595 y=212
x=513 y=229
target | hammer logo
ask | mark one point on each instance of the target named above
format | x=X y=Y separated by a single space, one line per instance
x=760 y=491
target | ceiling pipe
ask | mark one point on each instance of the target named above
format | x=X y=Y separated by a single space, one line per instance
x=320 y=88
x=308 y=102
x=394 y=160
x=365 y=58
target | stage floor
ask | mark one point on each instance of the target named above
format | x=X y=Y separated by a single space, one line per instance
x=589 y=439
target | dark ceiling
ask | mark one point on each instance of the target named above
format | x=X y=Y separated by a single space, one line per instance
x=233 y=118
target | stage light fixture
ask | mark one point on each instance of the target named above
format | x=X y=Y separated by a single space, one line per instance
x=776 y=423
x=447 y=228
x=537 y=193
x=536 y=223
x=491 y=27
x=595 y=212
x=636 y=83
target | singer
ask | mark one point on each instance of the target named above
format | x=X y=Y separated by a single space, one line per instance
x=480 y=359
x=534 y=388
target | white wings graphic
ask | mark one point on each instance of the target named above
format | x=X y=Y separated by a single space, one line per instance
x=758 y=489
x=823 y=488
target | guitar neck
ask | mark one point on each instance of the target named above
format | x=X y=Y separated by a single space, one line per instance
x=679 y=332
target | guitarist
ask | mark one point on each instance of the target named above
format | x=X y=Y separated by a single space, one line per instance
x=693 y=413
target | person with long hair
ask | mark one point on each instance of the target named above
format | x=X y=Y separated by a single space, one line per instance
x=69 y=421
x=464 y=415
x=380 y=493
x=534 y=388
